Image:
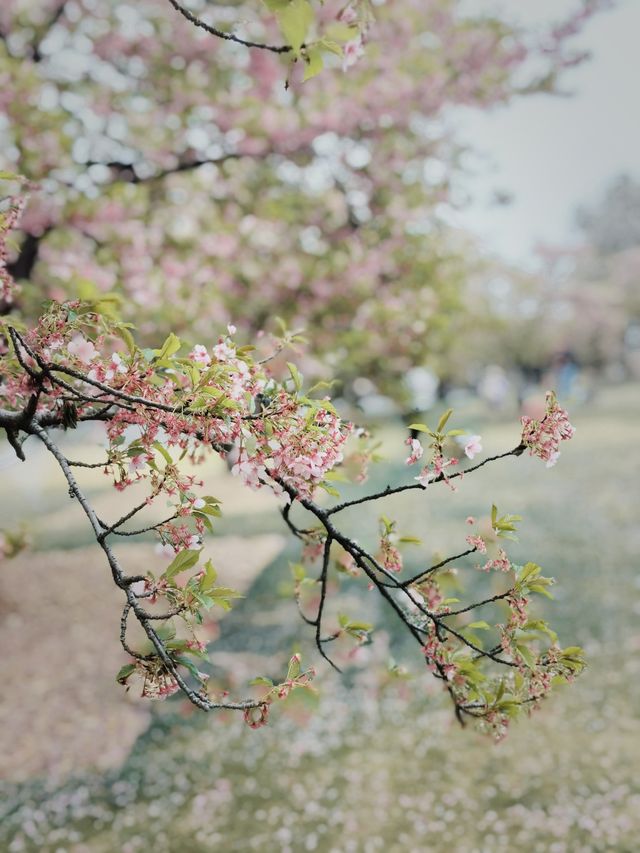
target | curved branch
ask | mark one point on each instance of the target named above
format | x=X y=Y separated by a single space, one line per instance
x=396 y=490
x=198 y=22
x=196 y=698
x=323 y=595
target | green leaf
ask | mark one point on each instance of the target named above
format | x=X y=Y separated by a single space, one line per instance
x=162 y=450
x=298 y=571
x=210 y=576
x=294 y=668
x=129 y=668
x=127 y=337
x=420 y=428
x=313 y=62
x=168 y=348
x=294 y=21
x=261 y=679
x=528 y=572
x=443 y=420
x=360 y=626
x=193 y=669
x=295 y=375
x=541 y=590
x=482 y=625
x=181 y=562
x=329 y=489
x=223 y=595
x=526 y=655
x=166 y=631
x=331 y=46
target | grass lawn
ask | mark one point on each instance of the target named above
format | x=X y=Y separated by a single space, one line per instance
x=383 y=767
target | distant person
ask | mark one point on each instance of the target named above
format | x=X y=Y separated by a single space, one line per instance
x=566 y=372
x=494 y=386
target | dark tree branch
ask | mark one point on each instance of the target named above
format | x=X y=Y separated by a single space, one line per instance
x=125 y=172
x=396 y=490
x=198 y=22
x=323 y=595
x=36 y=52
x=421 y=576
x=197 y=698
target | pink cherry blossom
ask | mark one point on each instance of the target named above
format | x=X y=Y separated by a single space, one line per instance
x=224 y=351
x=417 y=451
x=200 y=355
x=501 y=563
x=473 y=445
x=348 y=15
x=478 y=543
x=352 y=51
x=436 y=469
x=544 y=436
x=137 y=462
x=82 y=349
x=116 y=366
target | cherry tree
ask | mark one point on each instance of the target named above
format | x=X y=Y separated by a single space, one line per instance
x=185 y=161
x=162 y=408
x=160 y=170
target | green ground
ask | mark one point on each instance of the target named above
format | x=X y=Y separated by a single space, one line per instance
x=386 y=769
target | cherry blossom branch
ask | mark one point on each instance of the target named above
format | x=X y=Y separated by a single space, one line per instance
x=323 y=594
x=143 y=617
x=421 y=576
x=198 y=22
x=493 y=598
x=125 y=172
x=396 y=490
x=289 y=460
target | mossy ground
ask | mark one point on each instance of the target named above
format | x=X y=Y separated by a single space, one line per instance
x=377 y=768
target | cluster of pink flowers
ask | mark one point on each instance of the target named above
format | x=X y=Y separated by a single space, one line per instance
x=8 y=221
x=353 y=49
x=432 y=596
x=478 y=543
x=280 y=440
x=347 y=564
x=519 y=614
x=157 y=683
x=501 y=563
x=255 y=718
x=390 y=556
x=497 y=722
x=435 y=469
x=543 y=437
x=417 y=451
x=436 y=653
x=300 y=450
x=313 y=545
x=178 y=537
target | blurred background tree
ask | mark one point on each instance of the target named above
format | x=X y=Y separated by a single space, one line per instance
x=178 y=171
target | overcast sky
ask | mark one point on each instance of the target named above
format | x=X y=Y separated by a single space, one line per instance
x=553 y=154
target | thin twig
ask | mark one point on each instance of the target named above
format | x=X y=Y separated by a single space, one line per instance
x=198 y=22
